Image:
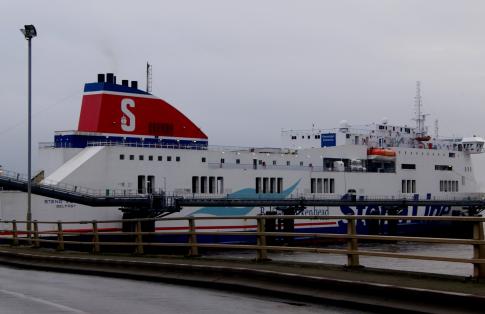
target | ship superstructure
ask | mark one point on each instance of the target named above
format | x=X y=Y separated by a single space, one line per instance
x=130 y=141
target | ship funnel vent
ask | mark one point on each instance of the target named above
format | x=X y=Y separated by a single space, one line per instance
x=134 y=84
x=110 y=78
x=101 y=78
x=124 y=83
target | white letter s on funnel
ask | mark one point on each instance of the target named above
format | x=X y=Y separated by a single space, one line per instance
x=128 y=127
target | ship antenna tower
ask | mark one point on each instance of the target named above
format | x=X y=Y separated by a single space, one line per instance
x=420 y=117
x=149 y=78
x=436 y=128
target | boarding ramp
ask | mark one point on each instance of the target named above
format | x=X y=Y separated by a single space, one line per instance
x=126 y=201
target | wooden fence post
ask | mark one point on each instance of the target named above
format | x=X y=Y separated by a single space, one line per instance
x=60 y=237
x=352 y=259
x=194 y=249
x=478 y=251
x=261 y=240
x=96 y=249
x=15 y=236
x=36 y=243
x=139 y=238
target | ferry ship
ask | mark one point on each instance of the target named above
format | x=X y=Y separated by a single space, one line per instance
x=130 y=141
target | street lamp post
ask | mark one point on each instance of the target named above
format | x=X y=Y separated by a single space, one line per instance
x=29 y=32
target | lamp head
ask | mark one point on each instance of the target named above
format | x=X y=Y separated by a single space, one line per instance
x=29 y=31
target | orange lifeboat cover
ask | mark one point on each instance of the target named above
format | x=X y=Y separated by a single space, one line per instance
x=381 y=152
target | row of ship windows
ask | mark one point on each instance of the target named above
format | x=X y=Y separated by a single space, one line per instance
x=448 y=186
x=150 y=157
x=293 y=137
x=451 y=155
x=269 y=185
x=208 y=185
x=318 y=185
x=436 y=167
x=408 y=186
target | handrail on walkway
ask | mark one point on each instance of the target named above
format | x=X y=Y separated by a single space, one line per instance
x=136 y=234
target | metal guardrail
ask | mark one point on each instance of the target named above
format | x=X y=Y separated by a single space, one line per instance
x=81 y=195
x=139 y=238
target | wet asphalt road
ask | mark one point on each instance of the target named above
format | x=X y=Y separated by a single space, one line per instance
x=28 y=291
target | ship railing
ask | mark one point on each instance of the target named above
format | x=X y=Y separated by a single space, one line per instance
x=77 y=189
x=262 y=234
x=298 y=195
x=311 y=168
x=149 y=145
x=44 y=145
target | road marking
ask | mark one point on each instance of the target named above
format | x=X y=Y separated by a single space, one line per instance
x=38 y=300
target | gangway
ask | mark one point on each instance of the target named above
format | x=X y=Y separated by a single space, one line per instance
x=154 y=202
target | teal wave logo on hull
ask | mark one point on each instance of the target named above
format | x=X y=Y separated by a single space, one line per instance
x=247 y=193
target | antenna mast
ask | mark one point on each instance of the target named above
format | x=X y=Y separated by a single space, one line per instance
x=149 y=78
x=420 y=117
x=436 y=128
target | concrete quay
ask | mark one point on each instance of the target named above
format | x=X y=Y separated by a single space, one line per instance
x=362 y=288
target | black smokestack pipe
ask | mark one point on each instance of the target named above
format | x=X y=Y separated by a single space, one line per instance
x=100 y=78
x=134 y=84
x=109 y=78
x=124 y=83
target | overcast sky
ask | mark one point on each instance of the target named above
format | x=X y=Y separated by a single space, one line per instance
x=243 y=70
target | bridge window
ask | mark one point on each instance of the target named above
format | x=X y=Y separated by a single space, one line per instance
x=274 y=162
x=312 y=185
x=122 y=157
x=238 y=161
x=325 y=185
x=288 y=163
x=132 y=157
x=332 y=185
x=319 y=186
x=150 y=157
x=177 y=158
x=204 y=159
x=301 y=163
x=159 y=158
x=169 y=158
x=140 y=157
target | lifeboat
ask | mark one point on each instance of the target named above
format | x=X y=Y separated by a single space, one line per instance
x=381 y=154
x=423 y=138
